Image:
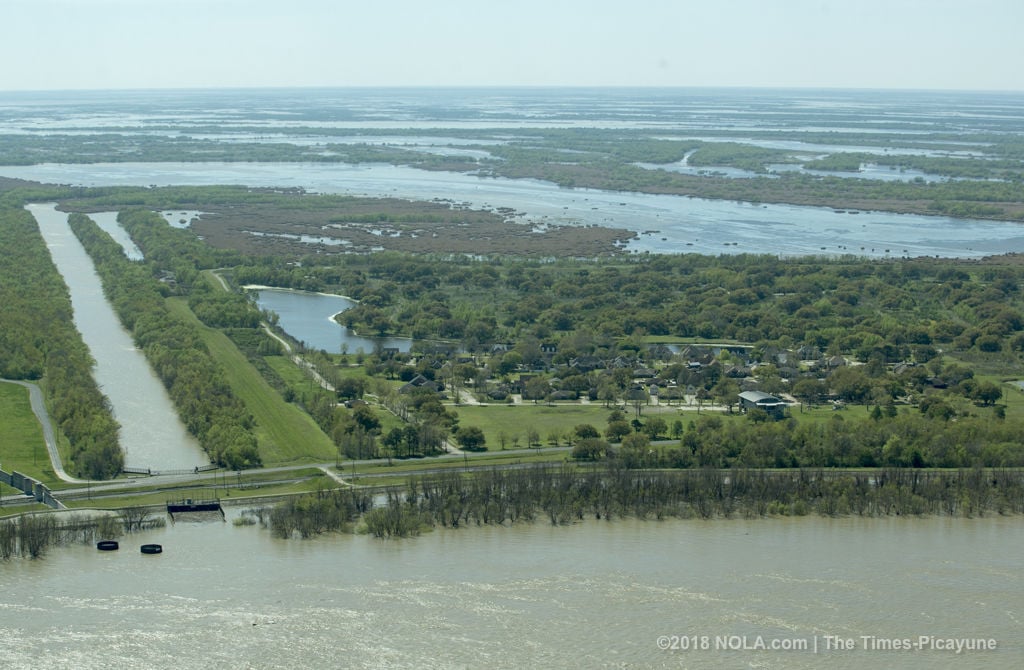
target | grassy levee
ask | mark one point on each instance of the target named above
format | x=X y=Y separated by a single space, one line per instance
x=22 y=447
x=248 y=492
x=285 y=433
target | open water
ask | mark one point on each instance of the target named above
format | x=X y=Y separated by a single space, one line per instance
x=308 y=317
x=664 y=223
x=593 y=595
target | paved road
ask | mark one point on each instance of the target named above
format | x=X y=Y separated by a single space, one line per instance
x=35 y=396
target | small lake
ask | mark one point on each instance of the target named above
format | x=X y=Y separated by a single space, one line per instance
x=666 y=223
x=308 y=317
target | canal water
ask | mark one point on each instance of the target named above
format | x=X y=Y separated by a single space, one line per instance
x=152 y=435
x=593 y=595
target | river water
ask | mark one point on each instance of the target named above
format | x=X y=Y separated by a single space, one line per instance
x=152 y=435
x=595 y=594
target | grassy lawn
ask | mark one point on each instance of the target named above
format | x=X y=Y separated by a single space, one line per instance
x=1013 y=398
x=21 y=438
x=514 y=421
x=1013 y=395
x=286 y=434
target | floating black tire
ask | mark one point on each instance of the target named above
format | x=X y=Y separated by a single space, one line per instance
x=151 y=548
x=107 y=545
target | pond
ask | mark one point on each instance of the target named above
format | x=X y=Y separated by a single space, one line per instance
x=309 y=318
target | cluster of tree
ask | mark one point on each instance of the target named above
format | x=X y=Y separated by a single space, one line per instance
x=38 y=341
x=912 y=437
x=896 y=310
x=742 y=156
x=218 y=308
x=395 y=519
x=195 y=382
x=313 y=514
x=118 y=148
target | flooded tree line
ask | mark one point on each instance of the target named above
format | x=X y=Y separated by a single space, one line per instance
x=565 y=494
x=32 y=535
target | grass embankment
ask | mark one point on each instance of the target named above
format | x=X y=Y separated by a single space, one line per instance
x=226 y=486
x=22 y=447
x=285 y=433
x=398 y=472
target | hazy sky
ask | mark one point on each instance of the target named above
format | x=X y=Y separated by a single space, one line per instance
x=934 y=44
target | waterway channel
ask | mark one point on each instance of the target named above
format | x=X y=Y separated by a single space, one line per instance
x=593 y=595
x=152 y=435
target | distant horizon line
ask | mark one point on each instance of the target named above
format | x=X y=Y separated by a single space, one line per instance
x=436 y=87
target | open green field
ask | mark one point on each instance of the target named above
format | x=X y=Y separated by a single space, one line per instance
x=21 y=439
x=515 y=421
x=285 y=433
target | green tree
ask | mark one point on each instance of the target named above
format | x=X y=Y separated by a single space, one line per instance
x=616 y=430
x=471 y=438
x=590 y=449
x=654 y=427
x=987 y=393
